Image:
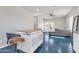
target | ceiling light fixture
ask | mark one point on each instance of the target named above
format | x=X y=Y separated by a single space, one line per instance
x=37 y=9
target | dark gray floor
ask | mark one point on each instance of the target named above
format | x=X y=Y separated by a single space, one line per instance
x=55 y=44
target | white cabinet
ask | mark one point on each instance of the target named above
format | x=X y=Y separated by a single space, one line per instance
x=76 y=42
x=32 y=41
x=0 y=42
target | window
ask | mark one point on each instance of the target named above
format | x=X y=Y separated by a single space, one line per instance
x=49 y=26
x=76 y=24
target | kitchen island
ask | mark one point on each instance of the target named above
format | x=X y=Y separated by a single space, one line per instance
x=33 y=39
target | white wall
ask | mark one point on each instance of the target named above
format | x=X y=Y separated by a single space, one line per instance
x=71 y=19
x=59 y=23
x=40 y=22
x=14 y=18
x=74 y=12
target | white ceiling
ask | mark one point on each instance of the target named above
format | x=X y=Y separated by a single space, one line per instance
x=59 y=11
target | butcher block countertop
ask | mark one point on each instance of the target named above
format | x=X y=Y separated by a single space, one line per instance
x=29 y=31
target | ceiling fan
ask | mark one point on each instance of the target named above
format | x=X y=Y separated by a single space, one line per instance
x=52 y=15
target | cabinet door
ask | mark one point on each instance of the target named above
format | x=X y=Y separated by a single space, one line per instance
x=76 y=47
x=76 y=42
x=37 y=38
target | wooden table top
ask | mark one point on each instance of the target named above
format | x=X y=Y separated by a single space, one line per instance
x=31 y=30
x=16 y=40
